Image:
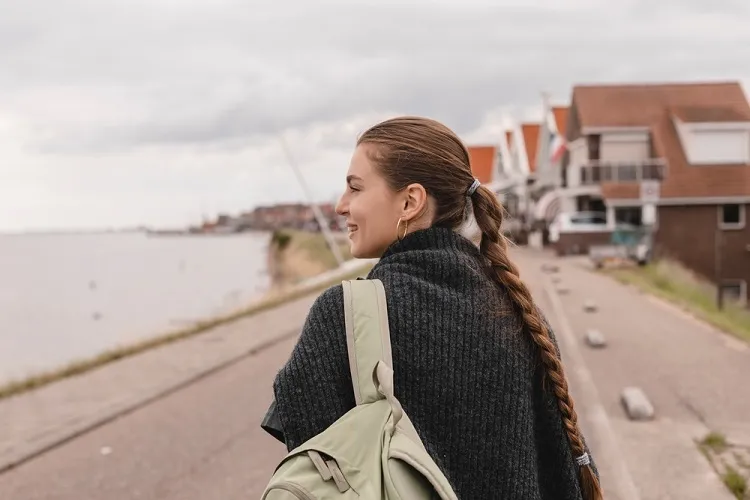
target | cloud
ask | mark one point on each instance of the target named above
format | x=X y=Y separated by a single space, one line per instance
x=166 y=106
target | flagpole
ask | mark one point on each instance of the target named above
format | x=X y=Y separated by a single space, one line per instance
x=547 y=134
x=322 y=222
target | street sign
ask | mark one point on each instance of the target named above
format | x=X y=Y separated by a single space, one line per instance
x=650 y=191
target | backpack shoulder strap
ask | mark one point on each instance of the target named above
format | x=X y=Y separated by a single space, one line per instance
x=368 y=337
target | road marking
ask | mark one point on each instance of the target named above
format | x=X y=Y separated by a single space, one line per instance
x=596 y=414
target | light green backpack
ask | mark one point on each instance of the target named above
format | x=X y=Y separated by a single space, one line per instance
x=373 y=451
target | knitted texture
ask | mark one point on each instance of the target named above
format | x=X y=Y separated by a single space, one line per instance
x=466 y=373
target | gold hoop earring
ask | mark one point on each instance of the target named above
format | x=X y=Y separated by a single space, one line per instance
x=398 y=228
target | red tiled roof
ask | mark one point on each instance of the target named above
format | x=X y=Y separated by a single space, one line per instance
x=642 y=105
x=686 y=181
x=561 y=118
x=654 y=106
x=482 y=159
x=530 y=133
x=693 y=114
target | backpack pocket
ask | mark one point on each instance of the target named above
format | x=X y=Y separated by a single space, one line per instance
x=310 y=475
x=286 y=490
x=410 y=472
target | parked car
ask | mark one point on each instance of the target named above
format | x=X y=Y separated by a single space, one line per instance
x=577 y=222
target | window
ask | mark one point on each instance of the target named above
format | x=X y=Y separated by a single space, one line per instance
x=628 y=215
x=732 y=216
x=588 y=218
x=627 y=173
x=717 y=147
x=735 y=291
x=594 y=143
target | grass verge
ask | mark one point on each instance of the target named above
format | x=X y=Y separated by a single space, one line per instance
x=272 y=300
x=678 y=285
x=735 y=483
x=729 y=462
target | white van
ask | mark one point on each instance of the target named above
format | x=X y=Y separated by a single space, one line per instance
x=577 y=222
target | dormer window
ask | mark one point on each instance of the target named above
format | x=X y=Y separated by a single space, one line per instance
x=713 y=136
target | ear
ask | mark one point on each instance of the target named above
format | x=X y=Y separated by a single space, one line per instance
x=414 y=201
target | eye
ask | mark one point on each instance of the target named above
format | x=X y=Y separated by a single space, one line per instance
x=353 y=189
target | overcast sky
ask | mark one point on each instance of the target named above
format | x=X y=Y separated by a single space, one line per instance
x=125 y=112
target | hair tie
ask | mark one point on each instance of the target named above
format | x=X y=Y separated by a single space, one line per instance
x=583 y=460
x=473 y=188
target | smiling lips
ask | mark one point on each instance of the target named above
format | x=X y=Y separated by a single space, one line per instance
x=352 y=228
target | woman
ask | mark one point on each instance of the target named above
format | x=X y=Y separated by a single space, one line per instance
x=476 y=367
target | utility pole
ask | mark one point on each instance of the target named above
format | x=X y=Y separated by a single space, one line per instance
x=322 y=221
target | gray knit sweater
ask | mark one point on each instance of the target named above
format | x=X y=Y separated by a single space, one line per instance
x=468 y=378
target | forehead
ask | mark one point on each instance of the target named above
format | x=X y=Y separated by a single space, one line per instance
x=361 y=164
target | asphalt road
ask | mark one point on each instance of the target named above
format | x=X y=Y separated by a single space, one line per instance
x=203 y=442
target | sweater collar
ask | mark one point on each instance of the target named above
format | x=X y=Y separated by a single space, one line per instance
x=433 y=238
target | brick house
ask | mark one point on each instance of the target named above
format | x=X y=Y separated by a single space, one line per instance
x=677 y=155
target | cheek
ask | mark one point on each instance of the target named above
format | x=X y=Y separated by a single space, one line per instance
x=372 y=215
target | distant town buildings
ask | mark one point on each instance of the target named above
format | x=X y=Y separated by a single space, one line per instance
x=268 y=218
x=671 y=158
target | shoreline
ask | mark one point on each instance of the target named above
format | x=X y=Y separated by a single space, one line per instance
x=275 y=297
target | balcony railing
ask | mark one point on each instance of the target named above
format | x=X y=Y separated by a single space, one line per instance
x=598 y=172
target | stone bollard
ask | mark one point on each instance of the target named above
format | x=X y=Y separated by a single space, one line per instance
x=595 y=339
x=590 y=306
x=636 y=404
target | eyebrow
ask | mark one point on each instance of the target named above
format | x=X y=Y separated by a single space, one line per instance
x=350 y=178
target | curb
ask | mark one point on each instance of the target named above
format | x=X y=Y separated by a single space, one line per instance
x=621 y=479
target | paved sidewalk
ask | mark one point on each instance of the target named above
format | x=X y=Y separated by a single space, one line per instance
x=694 y=375
x=32 y=423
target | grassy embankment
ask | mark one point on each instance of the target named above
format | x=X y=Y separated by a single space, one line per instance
x=676 y=284
x=294 y=255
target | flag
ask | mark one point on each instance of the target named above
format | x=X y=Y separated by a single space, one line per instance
x=556 y=147
x=557 y=143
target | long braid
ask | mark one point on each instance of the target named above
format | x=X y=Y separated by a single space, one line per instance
x=494 y=247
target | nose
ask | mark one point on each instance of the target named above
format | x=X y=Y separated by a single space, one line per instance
x=342 y=207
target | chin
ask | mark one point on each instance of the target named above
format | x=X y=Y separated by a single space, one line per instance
x=361 y=251
x=365 y=253
x=358 y=253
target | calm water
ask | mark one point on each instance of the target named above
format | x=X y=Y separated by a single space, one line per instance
x=65 y=297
